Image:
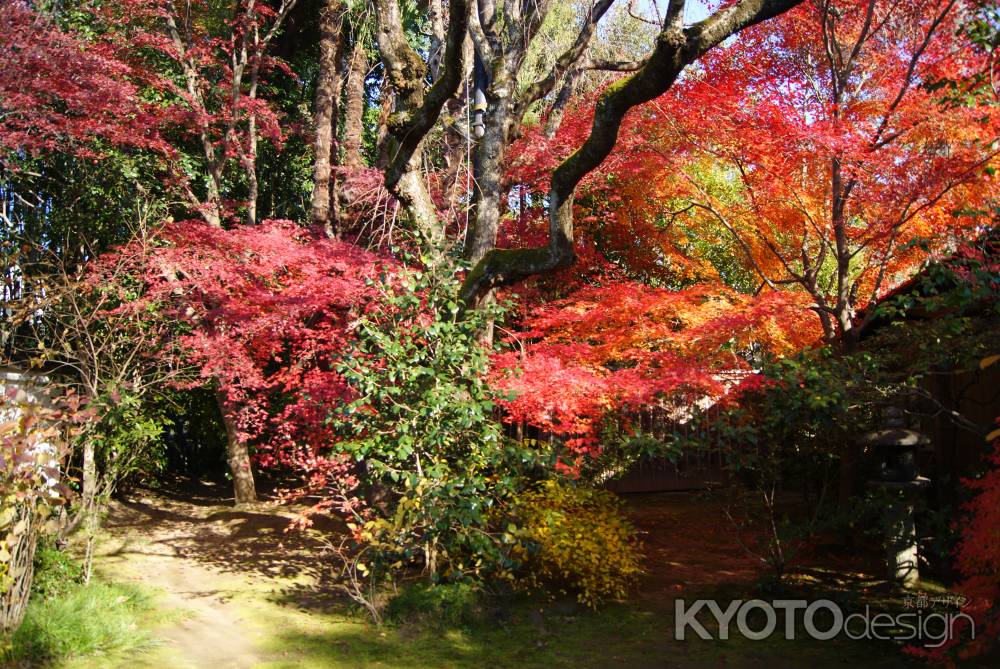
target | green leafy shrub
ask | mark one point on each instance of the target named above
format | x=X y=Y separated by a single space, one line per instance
x=435 y=462
x=56 y=572
x=576 y=540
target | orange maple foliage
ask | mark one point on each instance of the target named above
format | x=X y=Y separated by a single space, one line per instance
x=821 y=148
x=825 y=152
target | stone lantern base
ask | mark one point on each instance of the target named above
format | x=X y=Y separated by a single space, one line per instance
x=901 y=534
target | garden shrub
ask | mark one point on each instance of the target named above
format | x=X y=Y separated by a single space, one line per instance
x=575 y=540
x=56 y=572
x=434 y=461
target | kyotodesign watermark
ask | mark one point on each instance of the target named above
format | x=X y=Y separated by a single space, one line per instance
x=822 y=619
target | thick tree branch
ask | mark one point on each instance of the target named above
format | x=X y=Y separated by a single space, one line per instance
x=675 y=49
x=611 y=65
x=417 y=107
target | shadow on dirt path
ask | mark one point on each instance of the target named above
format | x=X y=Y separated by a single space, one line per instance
x=209 y=559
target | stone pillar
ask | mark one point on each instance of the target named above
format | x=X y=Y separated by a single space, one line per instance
x=900 y=532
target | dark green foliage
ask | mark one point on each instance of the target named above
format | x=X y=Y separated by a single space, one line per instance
x=439 y=605
x=59 y=192
x=128 y=437
x=785 y=439
x=194 y=438
x=56 y=572
x=807 y=407
x=782 y=444
x=945 y=319
x=436 y=460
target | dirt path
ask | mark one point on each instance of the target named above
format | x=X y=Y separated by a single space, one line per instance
x=241 y=593
x=218 y=568
x=212 y=631
x=208 y=560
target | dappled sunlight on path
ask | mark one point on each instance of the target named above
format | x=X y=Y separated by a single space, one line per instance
x=246 y=594
x=213 y=563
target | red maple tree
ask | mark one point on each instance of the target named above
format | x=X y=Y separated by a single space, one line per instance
x=624 y=345
x=262 y=312
x=60 y=92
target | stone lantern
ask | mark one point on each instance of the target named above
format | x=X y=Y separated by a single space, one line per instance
x=896 y=447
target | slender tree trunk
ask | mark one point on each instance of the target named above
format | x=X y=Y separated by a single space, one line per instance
x=88 y=505
x=850 y=453
x=559 y=106
x=457 y=142
x=354 y=106
x=435 y=17
x=89 y=496
x=253 y=187
x=456 y=155
x=328 y=87
x=238 y=457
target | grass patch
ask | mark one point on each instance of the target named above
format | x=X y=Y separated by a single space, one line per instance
x=450 y=604
x=92 y=619
x=69 y=619
x=56 y=572
x=537 y=634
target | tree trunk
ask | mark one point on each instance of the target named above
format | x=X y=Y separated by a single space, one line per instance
x=415 y=198
x=88 y=507
x=354 y=106
x=211 y=209
x=88 y=494
x=488 y=174
x=559 y=106
x=457 y=156
x=328 y=86
x=435 y=19
x=384 y=140
x=416 y=111
x=89 y=497
x=238 y=457
x=487 y=202
x=253 y=187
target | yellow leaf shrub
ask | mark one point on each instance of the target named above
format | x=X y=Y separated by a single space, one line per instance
x=576 y=540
